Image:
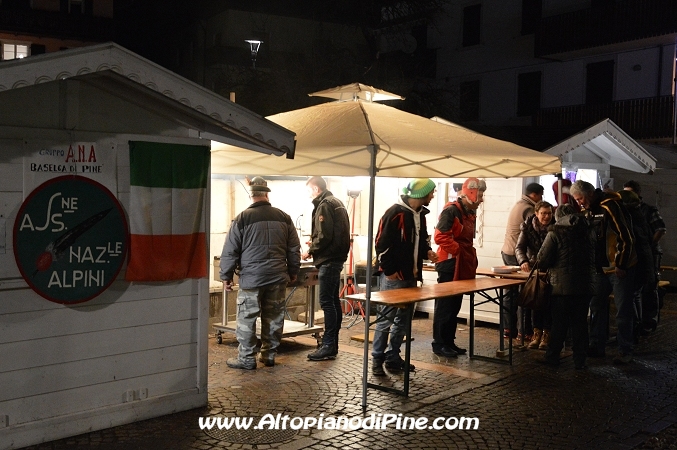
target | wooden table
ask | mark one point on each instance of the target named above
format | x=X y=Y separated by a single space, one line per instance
x=408 y=297
x=518 y=275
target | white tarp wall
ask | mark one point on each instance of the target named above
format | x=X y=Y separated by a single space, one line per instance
x=230 y=197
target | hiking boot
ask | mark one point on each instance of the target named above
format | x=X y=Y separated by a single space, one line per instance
x=545 y=340
x=538 y=335
x=267 y=361
x=398 y=366
x=623 y=358
x=377 y=368
x=236 y=363
x=323 y=353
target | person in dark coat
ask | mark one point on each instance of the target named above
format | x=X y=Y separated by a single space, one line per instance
x=532 y=233
x=263 y=248
x=329 y=247
x=569 y=253
x=645 y=280
x=651 y=299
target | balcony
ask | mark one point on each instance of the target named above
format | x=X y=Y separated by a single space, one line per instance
x=650 y=21
x=644 y=118
x=57 y=24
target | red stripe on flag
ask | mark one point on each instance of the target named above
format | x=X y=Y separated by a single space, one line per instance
x=167 y=257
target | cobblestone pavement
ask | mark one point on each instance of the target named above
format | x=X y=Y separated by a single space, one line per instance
x=526 y=405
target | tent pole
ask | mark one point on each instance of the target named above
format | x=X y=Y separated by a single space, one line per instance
x=373 y=149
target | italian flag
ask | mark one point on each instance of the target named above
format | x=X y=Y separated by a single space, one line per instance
x=167 y=212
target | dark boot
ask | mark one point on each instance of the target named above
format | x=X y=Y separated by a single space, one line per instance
x=323 y=353
x=377 y=368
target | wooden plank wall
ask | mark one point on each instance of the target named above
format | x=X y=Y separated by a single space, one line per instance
x=132 y=353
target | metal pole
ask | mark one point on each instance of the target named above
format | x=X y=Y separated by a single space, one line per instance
x=373 y=149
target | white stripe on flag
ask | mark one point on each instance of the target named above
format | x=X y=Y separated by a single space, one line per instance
x=164 y=211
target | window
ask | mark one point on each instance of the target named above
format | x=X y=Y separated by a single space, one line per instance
x=472 y=16
x=599 y=82
x=469 y=101
x=528 y=93
x=77 y=7
x=531 y=15
x=14 y=51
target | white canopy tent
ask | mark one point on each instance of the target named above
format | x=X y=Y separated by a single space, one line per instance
x=335 y=139
x=362 y=138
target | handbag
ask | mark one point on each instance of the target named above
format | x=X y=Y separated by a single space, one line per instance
x=535 y=293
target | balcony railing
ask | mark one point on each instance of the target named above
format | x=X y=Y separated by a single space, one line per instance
x=57 y=24
x=644 y=118
x=612 y=23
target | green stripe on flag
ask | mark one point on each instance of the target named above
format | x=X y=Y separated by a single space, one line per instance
x=177 y=166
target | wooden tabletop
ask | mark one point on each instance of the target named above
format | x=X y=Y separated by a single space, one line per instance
x=519 y=275
x=405 y=296
x=668 y=267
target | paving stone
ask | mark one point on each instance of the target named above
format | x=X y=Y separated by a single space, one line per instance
x=524 y=406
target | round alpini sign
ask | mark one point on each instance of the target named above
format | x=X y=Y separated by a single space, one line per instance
x=70 y=239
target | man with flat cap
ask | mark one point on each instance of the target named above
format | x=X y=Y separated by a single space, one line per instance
x=263 y=248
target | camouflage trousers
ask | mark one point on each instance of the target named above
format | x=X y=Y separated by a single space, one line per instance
x=268 y=301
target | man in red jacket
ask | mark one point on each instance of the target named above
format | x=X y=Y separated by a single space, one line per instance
x=456 y=260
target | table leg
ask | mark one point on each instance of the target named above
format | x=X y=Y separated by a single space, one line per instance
x=471 y=344
x=407 y=348
x=501 y=325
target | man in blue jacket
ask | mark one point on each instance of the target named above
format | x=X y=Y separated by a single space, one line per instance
x=263 y=247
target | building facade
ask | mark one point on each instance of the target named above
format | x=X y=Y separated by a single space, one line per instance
x=32 y=27
x=561 y=63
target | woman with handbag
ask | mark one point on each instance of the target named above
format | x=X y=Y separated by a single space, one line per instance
x=569 y=253
x=532 y=234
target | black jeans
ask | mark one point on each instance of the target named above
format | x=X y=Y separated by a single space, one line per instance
x=329 y=277
x=446 y=313
x=510 y=300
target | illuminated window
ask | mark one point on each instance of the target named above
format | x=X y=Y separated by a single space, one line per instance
x=14 y=51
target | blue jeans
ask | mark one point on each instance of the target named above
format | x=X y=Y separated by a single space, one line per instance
x=393 y=325
x=624 y=290
x=330 y=282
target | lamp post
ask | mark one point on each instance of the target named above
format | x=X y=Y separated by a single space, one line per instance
x=254 y=45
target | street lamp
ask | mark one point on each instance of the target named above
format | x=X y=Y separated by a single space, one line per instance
x=254 y=45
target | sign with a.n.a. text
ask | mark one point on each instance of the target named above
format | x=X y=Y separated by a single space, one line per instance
x=86 y=159
x=70 y=239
